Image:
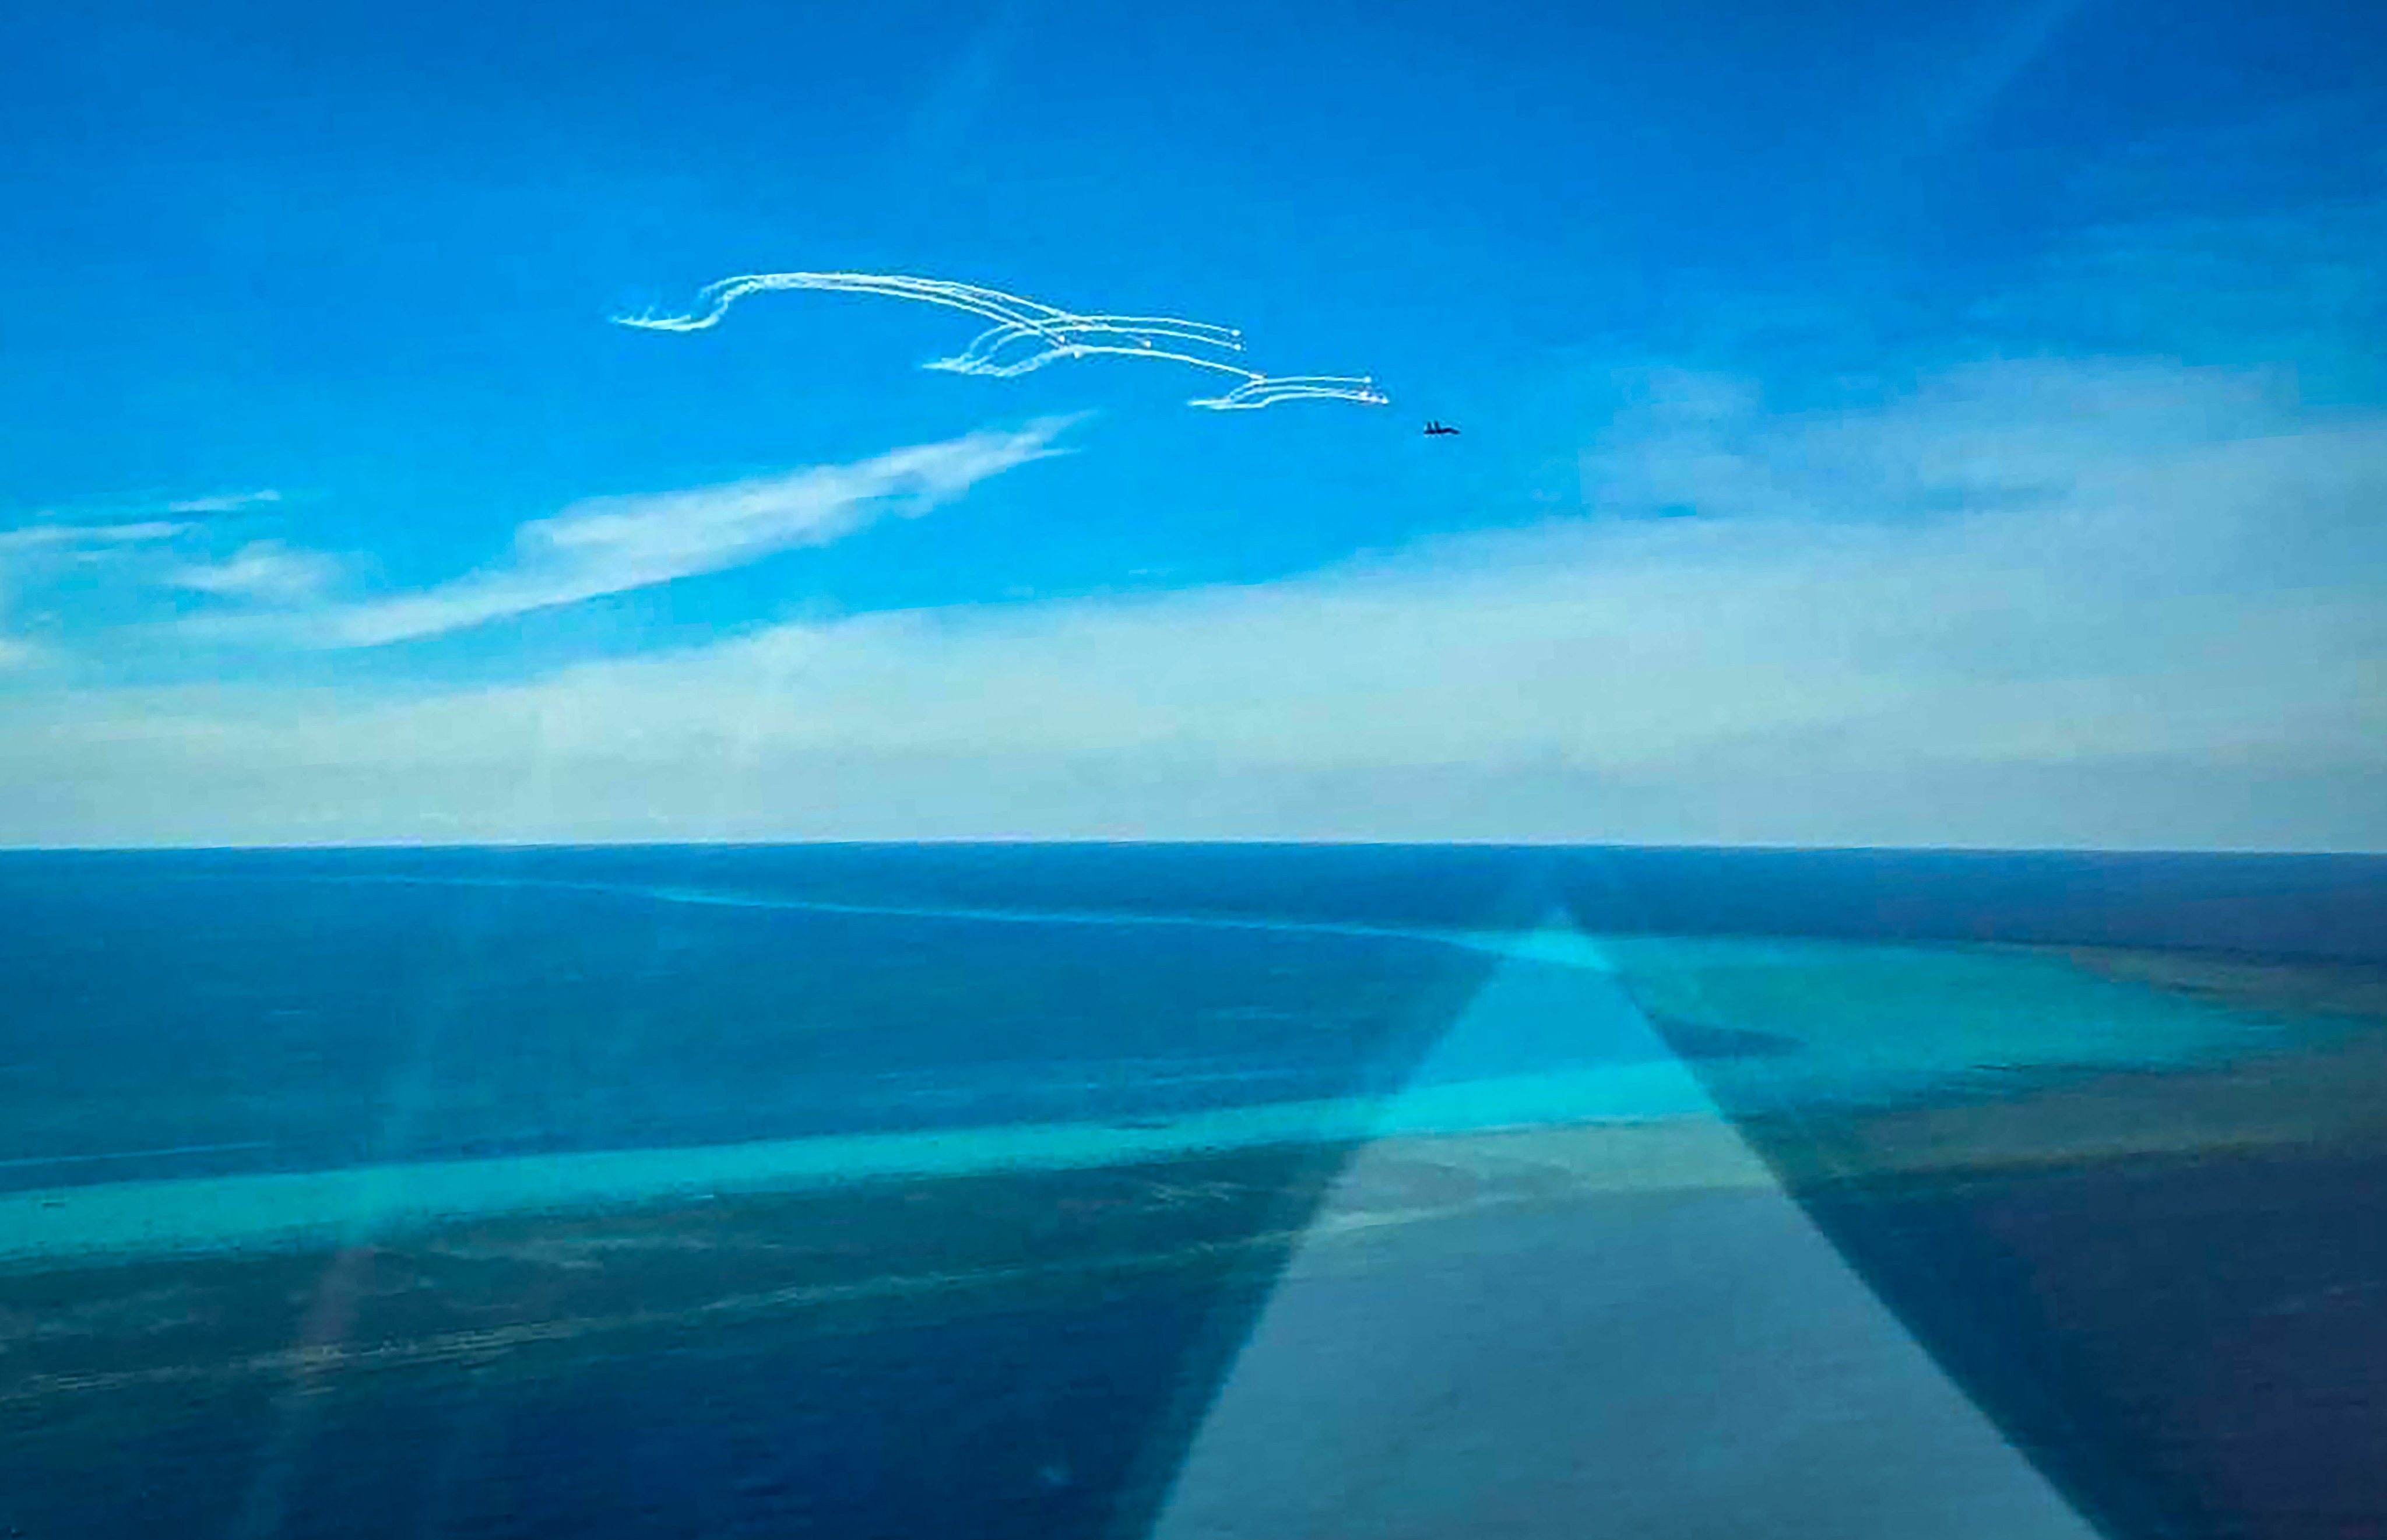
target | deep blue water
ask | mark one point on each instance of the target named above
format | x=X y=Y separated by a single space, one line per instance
x=1031 y=1423
x=262 y=1013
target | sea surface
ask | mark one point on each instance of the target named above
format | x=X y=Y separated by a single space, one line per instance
x=1021 y=1190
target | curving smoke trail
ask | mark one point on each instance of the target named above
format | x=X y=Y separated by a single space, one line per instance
x=1028 y=335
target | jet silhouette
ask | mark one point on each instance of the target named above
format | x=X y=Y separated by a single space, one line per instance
x=1435 y=429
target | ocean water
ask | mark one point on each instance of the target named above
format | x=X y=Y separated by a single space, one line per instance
x=320 y=1044
x=429 y=1191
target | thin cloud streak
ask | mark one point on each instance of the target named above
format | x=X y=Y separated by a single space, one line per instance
x=15 y=652
x=266 y=572
x=614 y=545
x=225 y=502
x=54 y=536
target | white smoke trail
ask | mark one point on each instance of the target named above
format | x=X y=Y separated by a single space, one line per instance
x=1028 y=335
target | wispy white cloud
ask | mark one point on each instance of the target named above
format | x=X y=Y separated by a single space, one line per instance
x=67 y=536
x=31 y=555
x=16 y=651
x=611 y=545
x=225 y=502
x=2049 y=605
x=266 y=572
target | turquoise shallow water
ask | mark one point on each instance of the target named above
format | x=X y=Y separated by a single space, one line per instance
x=1529 y=1011
x=365 y=1202
x=1876 y=1023
x=1562 y=1029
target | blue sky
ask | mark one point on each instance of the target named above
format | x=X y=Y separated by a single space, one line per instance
x=1949 y=424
